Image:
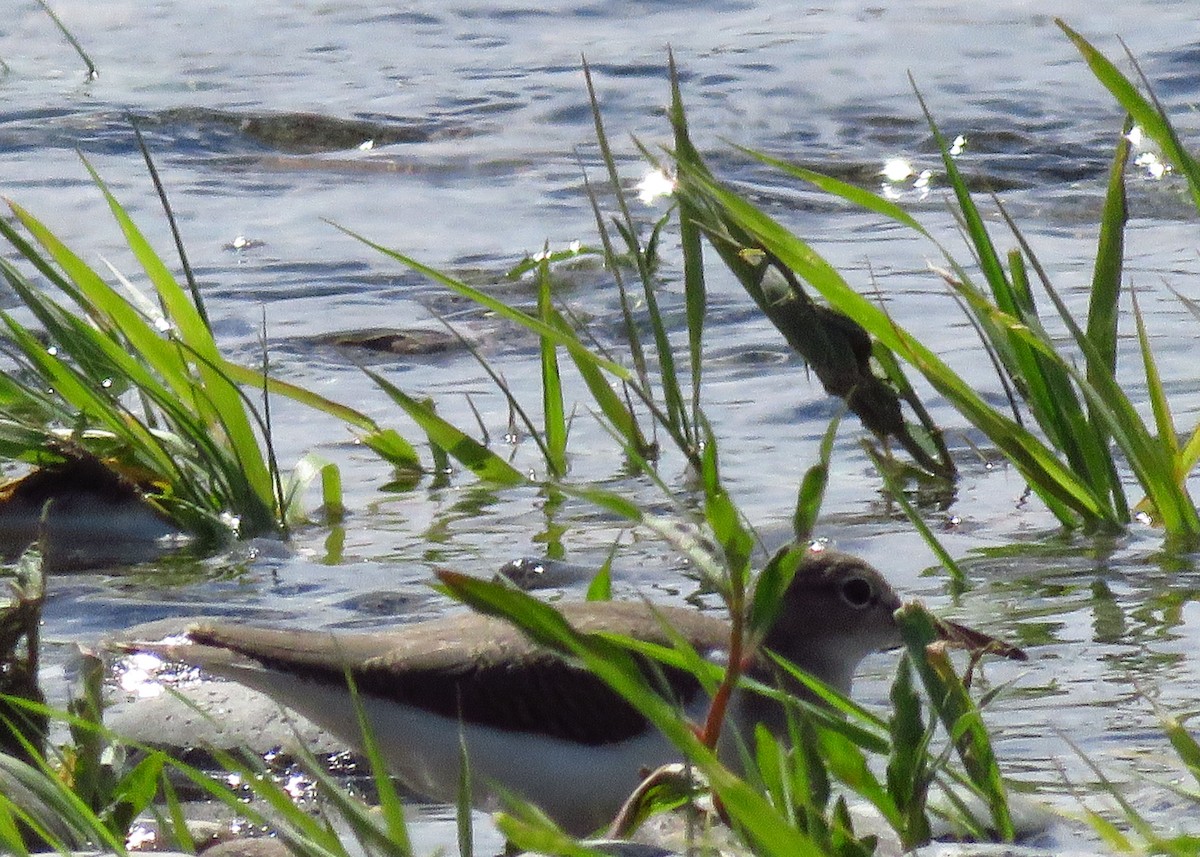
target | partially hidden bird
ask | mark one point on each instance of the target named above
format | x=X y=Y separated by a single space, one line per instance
x=536 y=724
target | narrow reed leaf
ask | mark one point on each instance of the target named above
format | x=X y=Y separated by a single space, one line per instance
x=1103 y=306
x=390 y=805
x=1082 y=437
x=695 y=289
x=869 y=736
x=908 y=772
x=530 y=831
x=534 y=325
x=1146 y=114
x=477 y=458
x=626 y=227
x=812 y=487
x=99 y=301
x=1186 y=747
x=770 y=759
x=957 y=712
x=853 y=194
x=1164 y=423
x=847 y=762
x=306 y=835
x=553 y=412
x=531 y=263
x=614 y=409
x=1133 y=818
x=465 y=828
x=1147 y=457
x=981 y=241
x=725 y=520
x=1064 y=493
x=600 y=586
x=92 y=72
x=10 y=833
x=1109 y=833
x=178 y=829
x=771 y=584
x=896 y=492
x=637 y=352
x=254 y=378
x=191 y=326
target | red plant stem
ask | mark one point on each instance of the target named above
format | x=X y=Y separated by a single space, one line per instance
x=733 y=671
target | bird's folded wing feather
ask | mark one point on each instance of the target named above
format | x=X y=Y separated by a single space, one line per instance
x=476 y=669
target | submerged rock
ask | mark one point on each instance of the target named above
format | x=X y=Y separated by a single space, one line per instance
x=413 y=341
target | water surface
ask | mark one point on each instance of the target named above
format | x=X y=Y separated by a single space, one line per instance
x=456 y=131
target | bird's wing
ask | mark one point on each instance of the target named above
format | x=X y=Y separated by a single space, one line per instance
x=475 y=668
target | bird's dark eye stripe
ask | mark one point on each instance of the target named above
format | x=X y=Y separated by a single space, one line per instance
x=858 y=592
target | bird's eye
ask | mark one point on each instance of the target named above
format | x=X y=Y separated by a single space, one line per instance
x=858 y=592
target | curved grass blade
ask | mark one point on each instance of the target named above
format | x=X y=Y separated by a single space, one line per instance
x=853 y=194
x=534 y=325
x=957 y=712
x=812 y=486
x=554 y=418
x=1148 y=115
x=672 y=395
x=192 y=328
x=762 y=823
x=477 y=458
x=1061 y=489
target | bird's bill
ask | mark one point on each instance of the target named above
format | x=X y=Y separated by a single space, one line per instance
x=977 y=642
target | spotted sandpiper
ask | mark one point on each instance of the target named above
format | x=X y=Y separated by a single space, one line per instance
x=535 y=724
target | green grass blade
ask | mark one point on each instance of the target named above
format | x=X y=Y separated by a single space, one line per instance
x=1145 y=113
x=226 y=403
x=88 y=287
x=958 y=714
x=1049 y=391
x=672 y=395
x=503 y=310
x=390 y=805
x=751 y=812
x=771 y=584
x=83 y=396
x=1055 y=402
x=10 y=833
x=92 y=71
x=897 y=494
x=728 y=528
x=1061 y=489
x=1083 y=438
x=1185 y=746
x=553 y=412
x=812 y=487
x=853 y=194
x=180 y=250
x=254 y=378
x=907 y=768
x=694 y=288
x=1163 y=421
x=477 y=458
x=1103 y=309
x=466 y=836
x=618 y=414
x=985 y=250
x=846 y=761
x=1149 y=459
